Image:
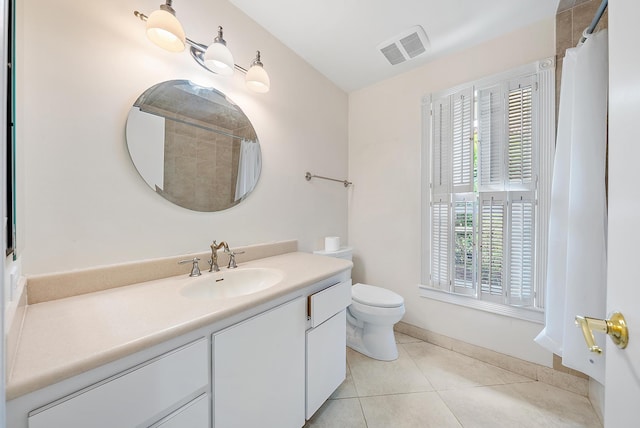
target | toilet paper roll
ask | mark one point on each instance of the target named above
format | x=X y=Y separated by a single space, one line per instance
x=332 y=243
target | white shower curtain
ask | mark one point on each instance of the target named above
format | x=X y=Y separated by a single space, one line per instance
x=576 y=276
x=249 y=167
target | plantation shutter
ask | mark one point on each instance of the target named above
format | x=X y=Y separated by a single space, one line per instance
x=491 y=133
x=520 y=108
x=441 y=146
x=484 y=196
x=440 y=233
x=521 y=248
x=462 y=140
x=493 y=212
x=464 y=244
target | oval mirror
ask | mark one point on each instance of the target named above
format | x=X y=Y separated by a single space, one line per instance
x=193 y=146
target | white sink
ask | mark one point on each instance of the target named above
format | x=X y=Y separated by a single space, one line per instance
x=231 y=283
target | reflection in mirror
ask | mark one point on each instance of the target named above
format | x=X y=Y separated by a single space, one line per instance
x=193 y=146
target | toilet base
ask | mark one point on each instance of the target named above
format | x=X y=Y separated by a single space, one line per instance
x=374 y=341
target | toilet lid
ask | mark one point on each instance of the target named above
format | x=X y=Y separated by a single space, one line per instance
x=375 y=296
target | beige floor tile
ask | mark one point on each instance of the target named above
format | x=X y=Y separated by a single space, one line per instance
x=405 y=338
x=344 y=413
x=423 y=409
x=447 y=369
x=347 y=389
x=529 y=404
x=373 y=377
x=492 y=407
x=560 y=408
x=470 y=393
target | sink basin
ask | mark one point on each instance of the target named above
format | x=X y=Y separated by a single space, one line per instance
x=231 y=283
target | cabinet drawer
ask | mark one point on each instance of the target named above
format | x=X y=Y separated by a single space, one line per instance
x=328 y=302
x=192 y=415
x=133 y=397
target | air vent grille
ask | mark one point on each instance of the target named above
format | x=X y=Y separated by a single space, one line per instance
x=405 y=46
x=393 y=54
x=412 y=45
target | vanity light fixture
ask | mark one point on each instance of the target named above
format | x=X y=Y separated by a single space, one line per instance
x=164 y=29
x=257 y=78
x=217 y=57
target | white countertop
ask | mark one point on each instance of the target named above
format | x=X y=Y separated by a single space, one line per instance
x=66 y=337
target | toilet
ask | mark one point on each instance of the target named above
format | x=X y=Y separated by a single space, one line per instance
x=371 y=316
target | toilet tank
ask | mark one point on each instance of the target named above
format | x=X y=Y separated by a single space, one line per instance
x=343 y=253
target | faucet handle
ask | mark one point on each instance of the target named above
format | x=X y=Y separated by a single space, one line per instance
x=195 y=269
x=232 y=258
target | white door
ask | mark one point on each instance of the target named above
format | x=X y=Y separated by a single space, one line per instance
x=622 y=385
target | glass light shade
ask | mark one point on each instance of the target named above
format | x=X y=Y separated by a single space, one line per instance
x=164 y=29
x=218 y=59
x=257 y=79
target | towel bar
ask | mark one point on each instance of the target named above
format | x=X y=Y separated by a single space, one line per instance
x=309 y=176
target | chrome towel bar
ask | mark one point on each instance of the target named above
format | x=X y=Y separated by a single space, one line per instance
x=309 y=176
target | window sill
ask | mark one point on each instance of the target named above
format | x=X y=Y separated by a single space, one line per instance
x=532 y=315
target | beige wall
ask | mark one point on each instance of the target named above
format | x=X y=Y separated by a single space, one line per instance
x=80 y=67
x=385 y=137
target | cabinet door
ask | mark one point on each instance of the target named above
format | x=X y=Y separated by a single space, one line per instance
x=259 y=370
x=326 y=360
x=134 y=397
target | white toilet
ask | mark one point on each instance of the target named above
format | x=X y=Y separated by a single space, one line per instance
x=371 y=316
x=370 y=320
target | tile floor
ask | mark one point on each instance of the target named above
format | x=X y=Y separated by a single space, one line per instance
x=430 y=386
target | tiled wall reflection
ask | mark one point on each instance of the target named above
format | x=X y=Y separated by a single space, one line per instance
x=201 y=165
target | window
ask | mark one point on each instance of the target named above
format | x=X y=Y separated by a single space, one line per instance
x=489 y=145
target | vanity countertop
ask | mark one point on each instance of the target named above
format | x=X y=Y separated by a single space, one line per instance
x=66 y=337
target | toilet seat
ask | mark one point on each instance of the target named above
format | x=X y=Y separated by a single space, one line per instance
x=378 y=297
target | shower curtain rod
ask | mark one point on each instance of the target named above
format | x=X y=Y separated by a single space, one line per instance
x=595 y=20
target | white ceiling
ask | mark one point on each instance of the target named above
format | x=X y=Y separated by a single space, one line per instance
x=339 y=37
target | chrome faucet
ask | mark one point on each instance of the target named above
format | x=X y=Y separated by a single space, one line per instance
x=213 y=261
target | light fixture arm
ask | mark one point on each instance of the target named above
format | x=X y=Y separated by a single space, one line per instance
x=197 y=46
x=140 y=15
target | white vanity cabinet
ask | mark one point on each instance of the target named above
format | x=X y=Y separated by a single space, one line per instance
x=326 y=344
x=137 y=396
x=268 y=365
x=259 y=370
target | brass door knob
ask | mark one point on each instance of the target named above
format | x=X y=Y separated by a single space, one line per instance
x=615 y=327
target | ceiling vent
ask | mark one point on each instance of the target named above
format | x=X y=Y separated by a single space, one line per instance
x=405 y=46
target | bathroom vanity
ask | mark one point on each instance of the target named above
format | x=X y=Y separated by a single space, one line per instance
x=151 y=354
